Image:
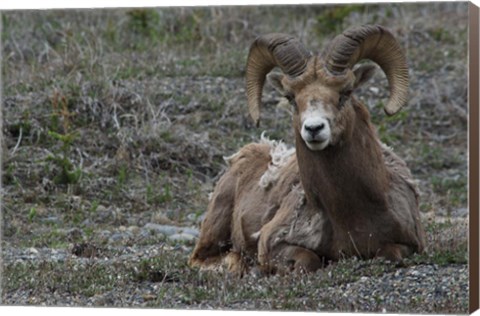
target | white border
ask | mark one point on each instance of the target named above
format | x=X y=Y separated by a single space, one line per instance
x=55 y=4
x=74 y=311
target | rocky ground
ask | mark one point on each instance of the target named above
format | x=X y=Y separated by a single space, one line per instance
x=115 y=124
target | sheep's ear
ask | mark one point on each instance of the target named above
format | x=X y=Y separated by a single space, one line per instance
x=363 y=74
x=275 y=79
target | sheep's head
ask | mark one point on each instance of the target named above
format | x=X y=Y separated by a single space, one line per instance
x=320 y=86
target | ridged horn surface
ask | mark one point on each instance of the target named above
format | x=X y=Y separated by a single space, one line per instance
x=267 y=52
x=376 y=43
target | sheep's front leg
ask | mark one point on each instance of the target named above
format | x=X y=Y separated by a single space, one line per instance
x=395 y=252
x=300 y=259
x=286 y=258
x=215 y=233
x=236 y=264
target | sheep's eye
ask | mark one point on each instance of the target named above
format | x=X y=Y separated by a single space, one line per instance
x=291 y=99
x=344 y=96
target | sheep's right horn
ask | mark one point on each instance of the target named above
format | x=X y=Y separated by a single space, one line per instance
x=266 y=52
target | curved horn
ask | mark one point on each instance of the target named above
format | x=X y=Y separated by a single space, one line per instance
x=376 y=43
x=266 y=52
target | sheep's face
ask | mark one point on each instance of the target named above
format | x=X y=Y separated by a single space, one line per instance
x=320 y=103
x=314 y=111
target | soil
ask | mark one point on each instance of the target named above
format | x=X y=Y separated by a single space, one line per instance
x=115 y=125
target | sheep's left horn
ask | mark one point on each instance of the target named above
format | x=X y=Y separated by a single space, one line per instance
x=266 y=52
x=376 y=43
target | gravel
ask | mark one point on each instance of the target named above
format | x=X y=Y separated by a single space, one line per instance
x=427 y=286
x=419 y=288
x=122 y=235
x=170 y=230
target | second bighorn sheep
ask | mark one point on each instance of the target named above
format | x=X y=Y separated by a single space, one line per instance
x=341 y=192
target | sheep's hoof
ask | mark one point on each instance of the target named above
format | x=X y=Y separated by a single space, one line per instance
x=395 y=252
x=208 y=264
x=293 y=259
x=235 y=264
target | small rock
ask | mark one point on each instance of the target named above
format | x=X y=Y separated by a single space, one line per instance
x=169 y=230
x=195 y=218
x=189 y=230
x=52 y=220
x=101 y=208
x=116 y=237
x=145 y=233
x=163 y=229
x=192 y=217
x=33 y=251
x=149 y=297
x=182 y=237
x=162 y=219
x=74 y=234
x=460 y=212
x=103 y=236
x=85 y=250
x=104 y=215
x=134 y=229
x=87 y=222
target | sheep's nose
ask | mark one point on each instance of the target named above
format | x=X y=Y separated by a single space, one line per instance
x=315 y=129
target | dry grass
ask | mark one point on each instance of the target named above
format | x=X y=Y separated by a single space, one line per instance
x=121 y=117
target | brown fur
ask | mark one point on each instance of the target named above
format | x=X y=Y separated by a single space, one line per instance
x=353 y=198
x=218 y=230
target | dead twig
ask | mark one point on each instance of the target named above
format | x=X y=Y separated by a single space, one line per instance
x=18 y=141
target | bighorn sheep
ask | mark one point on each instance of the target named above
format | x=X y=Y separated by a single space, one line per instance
x=341 y=192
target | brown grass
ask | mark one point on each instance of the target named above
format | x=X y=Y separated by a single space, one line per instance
x=118 y=118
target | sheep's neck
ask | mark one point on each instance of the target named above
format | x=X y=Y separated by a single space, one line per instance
x=349 y=180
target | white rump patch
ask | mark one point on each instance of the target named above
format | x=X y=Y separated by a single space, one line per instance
x=280 y=154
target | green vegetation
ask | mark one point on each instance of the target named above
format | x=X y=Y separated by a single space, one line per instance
x=114 y=119
x=384 y=123
x=441 y=34
x=455 y=189
x=332 y=18
x=32 y=214
x=88 y=280
x=68 y=173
